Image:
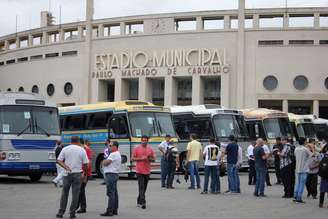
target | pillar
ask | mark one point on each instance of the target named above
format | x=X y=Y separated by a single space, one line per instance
x=44 y=38
x=122 y=28
x=256 y=21
x=61 y=35
x=226 y=22
x=170 y=91
x=199 y=24
x=121 y=89
x=240 y=55
x=316 y=23
x=197 y=96
x=30 y=40
x=145 y=89
x=6 y=45
x=286 y=21
x=88 y=50
x=100 y=30
x=316 y=108
x=80 y=32
x=285 y=106
x=17 y=43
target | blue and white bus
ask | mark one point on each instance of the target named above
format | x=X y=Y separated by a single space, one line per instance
x=29 y=128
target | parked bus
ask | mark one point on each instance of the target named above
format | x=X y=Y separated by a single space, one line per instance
x=123 y=121
x=267 y=124
x=209 y=121
x=302 y=126
x=320 y=126
x=29 y=128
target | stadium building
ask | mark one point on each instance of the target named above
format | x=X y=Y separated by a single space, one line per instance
x=243 y=58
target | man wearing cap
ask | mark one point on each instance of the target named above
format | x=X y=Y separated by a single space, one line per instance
x=143 y=155
x=162 y=148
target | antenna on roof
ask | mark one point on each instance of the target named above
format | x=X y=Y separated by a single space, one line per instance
x=16 y=24
x=59 y=15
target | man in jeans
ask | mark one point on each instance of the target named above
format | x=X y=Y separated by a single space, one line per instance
x=74 y=160
x=143 y=155
x=302 y=155
x=260 y=158
x=232 y=164
x=194 y=152
x=111 y=168
x=162 y=148
x=211 y=154
x=286 y=168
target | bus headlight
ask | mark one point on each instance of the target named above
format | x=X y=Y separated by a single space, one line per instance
x=51 y=156
x=3 y=156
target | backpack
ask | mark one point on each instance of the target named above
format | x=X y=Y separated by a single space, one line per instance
x=170 y=155
x=323 y=167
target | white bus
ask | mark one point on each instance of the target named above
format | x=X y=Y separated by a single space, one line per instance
x=29 y=128
x=209 y=121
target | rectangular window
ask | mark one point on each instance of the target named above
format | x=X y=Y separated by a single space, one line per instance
x=98 y=120
x=53 y=37
x=114 y=30
x=270 y=42
x=213 y=23
x=23 y=59
x=323 y=42
x=71 y=34
x=301 y=20
x=75 y=122
x=69 y=53
x=248 y=22
x=12 y=45
x=23 y=43
x=271 y=21
x=301 y=42
x=185 y=24
x=36 y=57
x=2 y=46
x=234 y=22
x=51 y=55
x=36 y=40
x=323 y=20
x=95 y=32
x=10 y=61
x=134 y=28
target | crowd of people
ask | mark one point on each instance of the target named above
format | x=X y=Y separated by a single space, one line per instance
x=296 y=167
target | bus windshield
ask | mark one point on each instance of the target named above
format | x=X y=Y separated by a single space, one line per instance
x=227 y=124
x=29 y=120
x=277 y=127
x=306 y=130
x=151 y=124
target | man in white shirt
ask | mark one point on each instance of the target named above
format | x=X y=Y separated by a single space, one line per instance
x=251 y=163
x=162 y=148
x=211 y=153
x=111 y=169
x=74 y=160
x=268 y=154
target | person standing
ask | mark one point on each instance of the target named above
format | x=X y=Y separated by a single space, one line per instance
x=162 y=148
x=286 y=168
x=210 y=153
x=251 y=163
x=232 y=164
x=293 y=159
x=268 y=154
x=112 y=166
x=312 y=178
x=107 y=151
x=74 y=160
x=277 y=148
x=217 y=186
x=323 y=172
x=194 y=153
x=82 y=203
x=302 y=155
x=143 y=155
x=58 y=181
x=260 y=158
x=172 y=161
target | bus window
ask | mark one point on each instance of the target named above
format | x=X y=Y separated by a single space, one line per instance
x=61 y=122
x=164 y=122
x=98 y=121
x=118 y=128
x=75 y=122
x=200 y=126
x=16 y=119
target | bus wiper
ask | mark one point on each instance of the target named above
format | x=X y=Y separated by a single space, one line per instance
x=40 y=128
x=24 y=130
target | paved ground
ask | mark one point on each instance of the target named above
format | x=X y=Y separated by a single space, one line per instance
x=21 y=199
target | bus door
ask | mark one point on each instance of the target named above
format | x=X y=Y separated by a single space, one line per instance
x=118 y=130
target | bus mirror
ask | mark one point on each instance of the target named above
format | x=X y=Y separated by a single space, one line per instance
x=124 y=159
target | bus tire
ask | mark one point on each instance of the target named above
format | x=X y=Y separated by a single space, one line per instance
x=99 y=160
x=34 y=177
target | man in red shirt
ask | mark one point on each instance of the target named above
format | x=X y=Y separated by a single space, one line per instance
x=143 y=155
x=82 y=203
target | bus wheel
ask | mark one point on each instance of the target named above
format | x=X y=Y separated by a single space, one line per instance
x=99 y=170
x=34 y=177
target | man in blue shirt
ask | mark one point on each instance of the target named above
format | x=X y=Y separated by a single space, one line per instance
x=232 y=164
x=260 y=167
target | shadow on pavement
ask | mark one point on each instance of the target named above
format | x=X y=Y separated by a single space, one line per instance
x=19 y=180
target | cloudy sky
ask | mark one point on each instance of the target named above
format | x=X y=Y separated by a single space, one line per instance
x=28 y=11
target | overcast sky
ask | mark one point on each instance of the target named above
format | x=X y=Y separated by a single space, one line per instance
x=28 y=11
